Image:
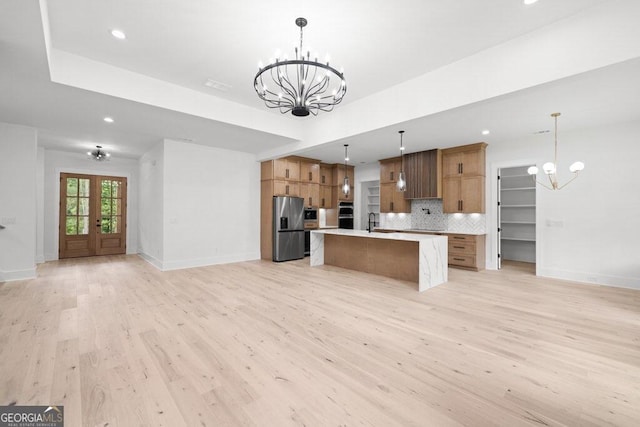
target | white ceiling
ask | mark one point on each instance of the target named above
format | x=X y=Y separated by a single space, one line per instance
x=378 y=43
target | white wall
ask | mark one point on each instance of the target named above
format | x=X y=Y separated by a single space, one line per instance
x=590 y=230
x=211 y=205
x=151 y=218
x=18 y=145
x=56 y=162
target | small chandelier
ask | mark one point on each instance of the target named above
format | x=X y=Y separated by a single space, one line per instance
x=346 y=187
x=300 y=85
x=401 y=183
x=550 y=168
x=99 y=155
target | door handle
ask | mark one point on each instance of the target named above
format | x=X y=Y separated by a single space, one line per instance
x=286 y=174
x=392 y=206
x=287 y=190
x=310 y=176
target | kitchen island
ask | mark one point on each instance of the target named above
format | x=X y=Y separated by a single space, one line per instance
x=418 y=258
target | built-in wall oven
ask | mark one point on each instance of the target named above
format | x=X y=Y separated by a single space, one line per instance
x=345 y=215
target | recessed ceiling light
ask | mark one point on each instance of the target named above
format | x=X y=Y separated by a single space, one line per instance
x=119 y=34
x=528 y=2
x=108 y=119
x=486 y=132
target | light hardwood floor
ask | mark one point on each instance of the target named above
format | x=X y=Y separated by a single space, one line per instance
x=120 y=343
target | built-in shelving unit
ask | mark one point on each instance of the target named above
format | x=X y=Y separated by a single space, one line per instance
x=373 y=203
x=370 y=203
x=517 y=215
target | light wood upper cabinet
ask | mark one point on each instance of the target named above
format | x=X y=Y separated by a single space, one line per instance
x=326 y=174
x=423 y=171
x=310 y=192
x=286 y=168
x=286 y=188
x=310 y=172
x=326 y=197
x=464 y=179
x=466 y=160
x=389 y=169
x=393 y=201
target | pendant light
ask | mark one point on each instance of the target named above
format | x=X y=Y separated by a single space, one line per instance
x=401 y=183
x=551 y=168
x=346 y=187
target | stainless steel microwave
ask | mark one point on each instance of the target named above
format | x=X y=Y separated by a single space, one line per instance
x=310 y=214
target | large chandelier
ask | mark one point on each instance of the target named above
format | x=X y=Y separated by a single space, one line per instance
x=550 y=168
x=98 y=154
x=300 y=85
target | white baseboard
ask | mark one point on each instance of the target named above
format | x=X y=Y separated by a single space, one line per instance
x=591 y=278
x=39 y=259
x=203 y=262
x=200 y=262
x=151 y=260
x=10 y=276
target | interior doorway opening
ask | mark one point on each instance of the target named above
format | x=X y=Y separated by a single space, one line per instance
x=516 y=218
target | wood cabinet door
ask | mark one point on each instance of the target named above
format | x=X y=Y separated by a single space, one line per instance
x=286 y=169
x=310 y=193
x=386 y=197
x=451 y=195
x=325 y=197
x=326 y=175
x=280 y=169
x=293 y=170
x=400 y=204
x=472 y=194
x=473 y=163
x=389 y=171
x=310 y=172
x=285 y=188
x=451 y=164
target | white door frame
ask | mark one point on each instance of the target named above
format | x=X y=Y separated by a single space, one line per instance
x=492 y=211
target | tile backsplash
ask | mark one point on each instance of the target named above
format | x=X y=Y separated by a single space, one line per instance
x=427 y=215
x=395 y=221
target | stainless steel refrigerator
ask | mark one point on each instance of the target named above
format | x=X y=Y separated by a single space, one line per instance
x=288 y=228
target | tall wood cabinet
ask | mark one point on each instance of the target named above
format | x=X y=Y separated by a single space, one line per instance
x=289 y=176
x=463 y=189
x=326 y=186
x=392 y=201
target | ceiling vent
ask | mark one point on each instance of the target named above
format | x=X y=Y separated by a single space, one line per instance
x=213 y=84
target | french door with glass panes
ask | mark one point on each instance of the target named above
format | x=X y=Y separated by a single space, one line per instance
x=93 y=212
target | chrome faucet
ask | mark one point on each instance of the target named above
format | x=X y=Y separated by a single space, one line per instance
x=374 y=220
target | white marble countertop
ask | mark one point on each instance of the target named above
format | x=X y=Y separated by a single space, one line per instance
x=416 y=230
x=410 y=237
